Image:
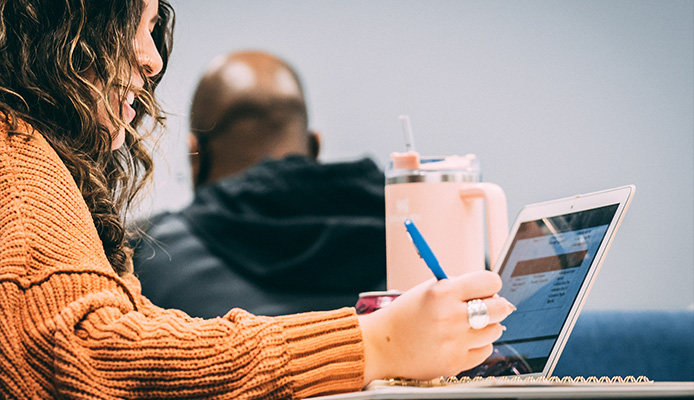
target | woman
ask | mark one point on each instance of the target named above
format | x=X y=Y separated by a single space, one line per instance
x=77 y=78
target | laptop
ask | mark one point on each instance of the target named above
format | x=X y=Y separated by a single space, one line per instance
x=548 y=264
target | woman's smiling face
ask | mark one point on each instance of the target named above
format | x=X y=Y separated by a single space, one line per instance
x=149 y=61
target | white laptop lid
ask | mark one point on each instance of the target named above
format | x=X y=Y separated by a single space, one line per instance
x=548 y=265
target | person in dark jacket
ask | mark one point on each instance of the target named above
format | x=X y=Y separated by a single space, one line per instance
x=271 y=229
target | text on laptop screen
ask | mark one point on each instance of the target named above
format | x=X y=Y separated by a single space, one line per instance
x=542 y=274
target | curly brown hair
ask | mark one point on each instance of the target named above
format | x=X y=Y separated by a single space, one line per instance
x=46 y=49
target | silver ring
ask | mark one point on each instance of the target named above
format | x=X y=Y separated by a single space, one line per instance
x=477 y=314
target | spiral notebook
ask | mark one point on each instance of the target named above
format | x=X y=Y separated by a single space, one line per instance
x=521 y=388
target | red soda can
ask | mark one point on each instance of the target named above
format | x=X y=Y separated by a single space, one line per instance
x=371 y=301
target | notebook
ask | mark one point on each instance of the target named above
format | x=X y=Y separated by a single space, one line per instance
x=520 y=388
x=548 y=264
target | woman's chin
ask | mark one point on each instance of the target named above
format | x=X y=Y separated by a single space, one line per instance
x=118 y=140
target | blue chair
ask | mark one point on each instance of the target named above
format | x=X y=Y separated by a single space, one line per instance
x=655 y=344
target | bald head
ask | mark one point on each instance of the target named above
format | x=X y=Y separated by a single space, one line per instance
x=247 y=106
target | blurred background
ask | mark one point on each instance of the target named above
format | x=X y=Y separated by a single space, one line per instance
x=555 y=97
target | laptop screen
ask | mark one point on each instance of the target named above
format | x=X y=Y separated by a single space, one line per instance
x=542 y=273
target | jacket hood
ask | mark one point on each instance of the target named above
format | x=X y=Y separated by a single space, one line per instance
x=299 y=222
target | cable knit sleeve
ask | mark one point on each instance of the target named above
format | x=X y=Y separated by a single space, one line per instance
x=70 y=327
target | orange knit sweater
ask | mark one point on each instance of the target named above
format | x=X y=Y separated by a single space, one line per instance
x=71 y=327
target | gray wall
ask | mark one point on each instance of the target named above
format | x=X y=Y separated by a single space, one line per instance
x=555 y=97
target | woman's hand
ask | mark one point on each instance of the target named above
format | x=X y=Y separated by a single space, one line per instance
x=425 y=332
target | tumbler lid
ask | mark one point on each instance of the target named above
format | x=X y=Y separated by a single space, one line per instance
x=434 y=169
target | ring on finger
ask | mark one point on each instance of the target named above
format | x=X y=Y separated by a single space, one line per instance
x=477 y=314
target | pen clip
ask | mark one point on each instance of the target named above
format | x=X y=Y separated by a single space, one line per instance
x=423 y=249
x=416 y=248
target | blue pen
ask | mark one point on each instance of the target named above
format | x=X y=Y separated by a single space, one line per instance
x=424 y=250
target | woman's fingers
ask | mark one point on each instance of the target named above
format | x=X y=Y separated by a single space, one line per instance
x=498 y=308
x=477 y=285
x=487 y=335
x=477 y=356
